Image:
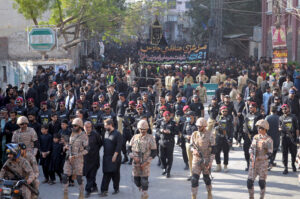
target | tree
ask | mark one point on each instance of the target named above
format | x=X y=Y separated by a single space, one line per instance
x=76 y=19
x=31 y=9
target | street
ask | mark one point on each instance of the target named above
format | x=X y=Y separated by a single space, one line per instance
x=225 y=185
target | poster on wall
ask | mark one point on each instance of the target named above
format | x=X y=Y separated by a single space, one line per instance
x=278 y=36
x=186 y=54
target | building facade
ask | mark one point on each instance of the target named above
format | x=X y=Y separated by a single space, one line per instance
x=287 y=14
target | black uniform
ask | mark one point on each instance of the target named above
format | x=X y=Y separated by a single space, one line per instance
x=187 y=130
x=213 y=111
x=197 y=108
x=250 y=131
x=95 y=118
x=224 y=136
x=92 y=161
x=239 y=107
x=44 y=117
x=289 y=125
x=166 y=143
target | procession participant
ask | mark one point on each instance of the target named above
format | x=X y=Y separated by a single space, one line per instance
x=142 y=151
x=261 y=149
x=213 y=111
x=91 y=159
x=76 y=148
x=203 y=145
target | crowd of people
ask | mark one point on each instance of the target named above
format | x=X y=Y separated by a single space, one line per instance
x=62 y=120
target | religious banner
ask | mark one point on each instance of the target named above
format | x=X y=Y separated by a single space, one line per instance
x=278 y=36
x=172 y=54
x=280 y=56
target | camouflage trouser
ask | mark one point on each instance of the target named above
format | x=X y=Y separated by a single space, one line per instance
x=26 y=193
x=260 y=169
x=190 y=156
x=73 y=168
x=138 y=172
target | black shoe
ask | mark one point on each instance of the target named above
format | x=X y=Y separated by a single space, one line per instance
x=164 y=172
x=130 y=161
x=87 y=194
x=247 y=169
x=294 y=168
x=45 y=181
x=103 y=194
x=115 y=192
x=274 y=164
x=189 y=178
x=94 y=190
x=51 y=182
x=168 y=175
x=71 y=184
x=186 y=167
x=124 y=160
x=285 y=171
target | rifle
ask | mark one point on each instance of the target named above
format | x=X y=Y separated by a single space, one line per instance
x=141 y=155
x=33 y=190
x=202 y=160
x=253 y=160
x=288 y=133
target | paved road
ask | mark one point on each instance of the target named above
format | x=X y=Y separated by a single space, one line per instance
x=231 y=185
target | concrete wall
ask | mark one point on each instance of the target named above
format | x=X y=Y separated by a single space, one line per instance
x=252 y=47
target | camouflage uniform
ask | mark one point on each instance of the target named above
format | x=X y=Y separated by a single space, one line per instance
x=202 y=94
x=263 y=145
x=32 y=161
x=78 y=147
x=142 y=147
x=28 y=138
x=205 y=142
x=23 y=168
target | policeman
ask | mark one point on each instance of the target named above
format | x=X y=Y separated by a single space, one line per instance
x=261 y=148
x=213 y=111
x=288 y=125
x=26 y=135
x=204 y=149
x=44 y=115
x=250 y=129
x=20 y=109
x=32 y=161
x=239 y=106
x=76 y=149
x=223 y=130
x=122 y=104
x=167 y=130
x=197 y=106
x=188 y=128
x=142 y=151
x=158 y=119
x=178 y=106
x=19 y=165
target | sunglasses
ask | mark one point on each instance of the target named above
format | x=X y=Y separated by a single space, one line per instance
x=74 y=125
x=140 y=109
x=143 y=129
x=94 y=107
x=106 y=109
x=22 y=124
x=261 y=128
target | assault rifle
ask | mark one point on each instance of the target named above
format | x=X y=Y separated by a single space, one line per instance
x=33 y=190
x=253 y=160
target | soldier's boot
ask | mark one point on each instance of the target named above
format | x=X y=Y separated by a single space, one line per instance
x=144 y=195
x=81 y=191
x=66 y=188
x=262 y=193
x=66 y=196
x=225 y=168
x=251 y=193
x=194 y=192
x=209 y=193
x=218 y=168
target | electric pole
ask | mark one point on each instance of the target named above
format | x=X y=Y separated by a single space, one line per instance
x=216 y=27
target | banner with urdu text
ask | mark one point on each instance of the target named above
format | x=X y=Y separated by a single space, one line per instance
x=186 y=54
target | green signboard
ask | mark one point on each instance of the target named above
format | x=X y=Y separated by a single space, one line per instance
x=42 y=39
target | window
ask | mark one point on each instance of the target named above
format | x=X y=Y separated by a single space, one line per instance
x=289 y=4
x=269 y=6
x=298 y=3
x=188 y=5
x=171 y=4
x=171 y=18
x=4 y=74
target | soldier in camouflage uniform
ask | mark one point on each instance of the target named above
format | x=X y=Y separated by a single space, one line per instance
x=76 y=149
x=19 y=165
x=26 y=135
x=204 y=149
x=142 y=151
x=32 y=161
x=261 y=149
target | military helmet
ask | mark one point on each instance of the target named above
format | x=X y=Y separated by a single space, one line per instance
x=263 y=123
x=22 y=120
x=201 y=122
x=143 y=124
x=78 y=122
x=14 y=149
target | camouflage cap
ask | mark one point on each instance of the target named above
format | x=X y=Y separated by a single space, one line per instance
x=263 y=123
